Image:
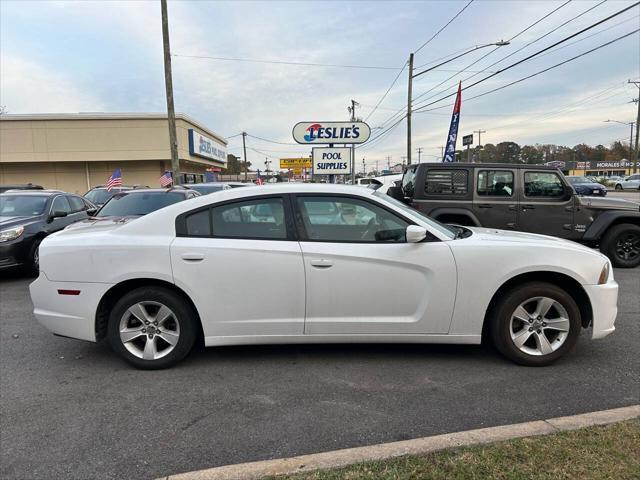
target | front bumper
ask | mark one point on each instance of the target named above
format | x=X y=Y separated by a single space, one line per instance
x=14 y=253
x=67 y=315
x=604 y=303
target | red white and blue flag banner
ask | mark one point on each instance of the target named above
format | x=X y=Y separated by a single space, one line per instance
x=166 y=179
x=115 y=180
x=259 y=180
x=450 y=150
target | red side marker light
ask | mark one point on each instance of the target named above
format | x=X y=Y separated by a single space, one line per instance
x=68 y=292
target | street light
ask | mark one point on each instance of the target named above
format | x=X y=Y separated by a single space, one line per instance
x=501 y=43
x=630 y=140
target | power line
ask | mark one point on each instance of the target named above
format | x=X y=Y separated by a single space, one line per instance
x=387 y=92
x=445 y=26
x=548 y=68
x=516 y=51
x=271 y=141
x=537 y=53
x=285 y=62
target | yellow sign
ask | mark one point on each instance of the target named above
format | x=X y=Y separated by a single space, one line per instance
x=295 y=163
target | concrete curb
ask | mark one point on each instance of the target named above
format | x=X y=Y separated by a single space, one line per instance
x=349 y=456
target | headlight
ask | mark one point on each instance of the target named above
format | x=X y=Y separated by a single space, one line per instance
x=10 y=234
x=604 y=274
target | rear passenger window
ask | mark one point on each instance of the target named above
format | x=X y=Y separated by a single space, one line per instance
x=199 y=224
x=61 y=204
x=495 y=183
x=254 y=219
x=446 y=182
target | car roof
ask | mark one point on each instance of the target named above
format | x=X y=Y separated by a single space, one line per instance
x=35 y=193
x=119 y=187
x=134 y=191
x=497 y=166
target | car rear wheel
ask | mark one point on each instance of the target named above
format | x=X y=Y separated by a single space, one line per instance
x=152 y=328
x=622 y=245
x=618 y=187
x=535 y=324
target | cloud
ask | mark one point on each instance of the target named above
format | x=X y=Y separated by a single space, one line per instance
x=26 y=87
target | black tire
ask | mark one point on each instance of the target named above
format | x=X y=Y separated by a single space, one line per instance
x=501 y=328
x=33 y=267
x=618 y=187
x=621 y=244
x=183 y=316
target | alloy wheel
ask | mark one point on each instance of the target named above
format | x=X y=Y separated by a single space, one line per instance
x=628 y=246
x=539 y=326
x=149 y=330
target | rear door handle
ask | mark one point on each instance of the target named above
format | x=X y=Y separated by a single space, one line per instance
x=321 y=263
x=528 y=207
x=193 y=257
x=484 y=205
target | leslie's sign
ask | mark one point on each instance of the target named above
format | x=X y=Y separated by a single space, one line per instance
x=331 y=132
x=206 y=147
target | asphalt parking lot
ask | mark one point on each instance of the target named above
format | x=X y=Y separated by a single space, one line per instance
x=71 y=409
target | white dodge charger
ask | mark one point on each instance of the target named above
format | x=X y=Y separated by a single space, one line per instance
x=315 y=264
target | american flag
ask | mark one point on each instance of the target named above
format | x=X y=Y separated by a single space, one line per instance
x=115 y=180
x=259 y=180
x=165 y=179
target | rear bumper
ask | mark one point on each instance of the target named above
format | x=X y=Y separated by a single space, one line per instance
x=67 y=315
x=604 y=303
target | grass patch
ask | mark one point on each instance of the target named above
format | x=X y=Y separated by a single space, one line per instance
x=604 y=452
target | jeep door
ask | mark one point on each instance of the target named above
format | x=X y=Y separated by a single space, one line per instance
x=546 y=207
x=495 y=201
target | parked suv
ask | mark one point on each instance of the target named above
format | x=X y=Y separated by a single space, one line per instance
x=26 y=217
x=527 y=198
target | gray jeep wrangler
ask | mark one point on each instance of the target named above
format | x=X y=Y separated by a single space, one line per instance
x=528 y=198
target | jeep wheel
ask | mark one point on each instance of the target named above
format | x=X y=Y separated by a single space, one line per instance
x=622 y=245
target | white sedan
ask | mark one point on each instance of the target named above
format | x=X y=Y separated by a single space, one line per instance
x=211 y=270
x=630 y=183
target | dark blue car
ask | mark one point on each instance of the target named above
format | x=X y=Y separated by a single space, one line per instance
x=586 y=187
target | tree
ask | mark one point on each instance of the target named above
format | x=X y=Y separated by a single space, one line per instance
x=508 y=152
x=488 y=153
x=235 y=165
x=531 y=155
x=619 y=150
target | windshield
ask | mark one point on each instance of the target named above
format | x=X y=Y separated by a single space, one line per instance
x=206 y=189
x=579 y=180
x=22 y=205
x=101 y=195
x=445 y=229
x=134 y=204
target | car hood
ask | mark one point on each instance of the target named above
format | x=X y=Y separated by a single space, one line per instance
x=101 y=223
x=493 y=235
x=589 y=186
x=609 y=203
x=9 y=222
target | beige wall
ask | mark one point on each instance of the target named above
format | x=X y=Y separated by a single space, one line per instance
x=72 y=176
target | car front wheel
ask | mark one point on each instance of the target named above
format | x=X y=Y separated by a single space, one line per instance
x=622 y=245
x=152 y=328
x=618 y=187
x=535 y=324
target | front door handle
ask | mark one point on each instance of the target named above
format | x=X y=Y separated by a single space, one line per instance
x=484 y=205
x=321 y=263
x=193 y=257
x=528 y=207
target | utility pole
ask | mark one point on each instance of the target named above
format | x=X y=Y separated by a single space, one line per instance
x=377 y=171
x=168 y=84
x=409 y=107
x=637 y=101
x=244 y=147
x=442 y=152
x=419 y=153
x=364 y=168
x=403 y=159
x=388 y=163
x=480 y=132
x=352 y=109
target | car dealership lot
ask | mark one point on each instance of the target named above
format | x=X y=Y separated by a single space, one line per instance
x=73 y=409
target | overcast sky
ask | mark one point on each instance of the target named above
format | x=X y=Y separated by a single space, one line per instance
x=107 y=56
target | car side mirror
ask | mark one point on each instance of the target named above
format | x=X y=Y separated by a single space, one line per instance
x=416 y=234
x=57 y=214
x=568 y=192
x=91 y=211
x=396 y=192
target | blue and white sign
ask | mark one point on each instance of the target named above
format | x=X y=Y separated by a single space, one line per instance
x=206 y=147
x=331 y=161
x=331 y=132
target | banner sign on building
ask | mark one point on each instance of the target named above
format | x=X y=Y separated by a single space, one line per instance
x=332 y=161
x=206 y=147
x=450 y=150
x=331 y=132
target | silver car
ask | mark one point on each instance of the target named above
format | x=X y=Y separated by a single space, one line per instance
x=630 y=183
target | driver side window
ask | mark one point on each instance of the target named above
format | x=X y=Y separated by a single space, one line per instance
x=344 y=219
